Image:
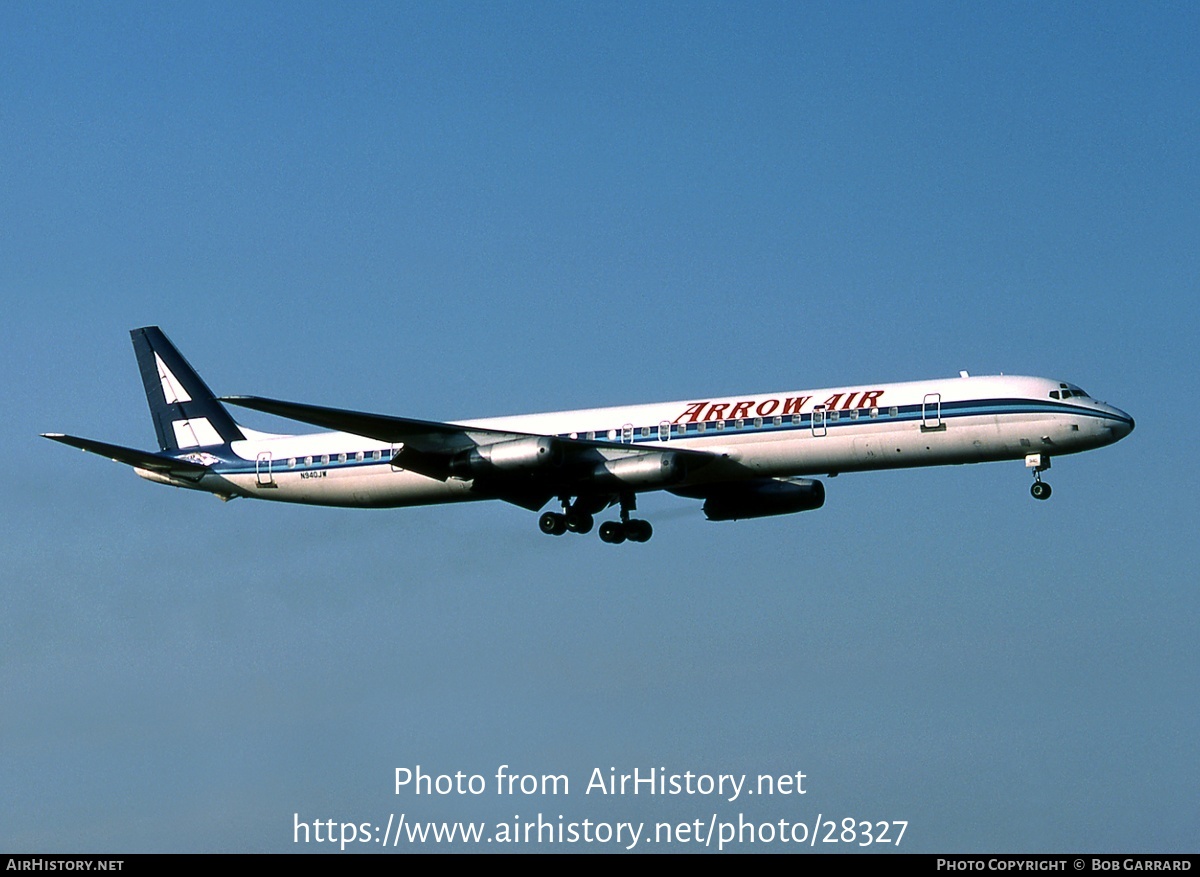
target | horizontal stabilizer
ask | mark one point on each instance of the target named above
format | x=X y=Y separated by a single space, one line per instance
x=133 y=457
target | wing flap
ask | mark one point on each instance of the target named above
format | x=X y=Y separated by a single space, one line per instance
x=431 y=465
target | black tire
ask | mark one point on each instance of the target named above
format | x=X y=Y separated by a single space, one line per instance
x=639 y=530
x=553 y=524
x=579 y=522
x=1040 y=490
x=612 y=532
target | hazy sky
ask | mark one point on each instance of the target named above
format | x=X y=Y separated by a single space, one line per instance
x=455 y=210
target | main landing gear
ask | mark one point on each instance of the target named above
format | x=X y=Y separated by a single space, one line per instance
x=1039 y=463
x=578 y=520
x=575 y=520
x=633 y=529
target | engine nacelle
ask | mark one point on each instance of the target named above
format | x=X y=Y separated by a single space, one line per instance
x=645 y=470
x=761 y=499
x=512 y=456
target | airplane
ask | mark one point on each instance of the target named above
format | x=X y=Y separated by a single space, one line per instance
x=745 y=456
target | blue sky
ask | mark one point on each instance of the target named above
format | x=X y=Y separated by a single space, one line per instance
x=457 y=210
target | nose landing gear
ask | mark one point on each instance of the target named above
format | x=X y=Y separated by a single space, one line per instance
x=1039 y=463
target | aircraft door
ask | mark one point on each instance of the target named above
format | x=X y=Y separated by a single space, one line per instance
x=931 y=413
x=819 y=427
x=262 y=470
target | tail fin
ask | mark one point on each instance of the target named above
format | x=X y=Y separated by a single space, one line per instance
x=186 y=413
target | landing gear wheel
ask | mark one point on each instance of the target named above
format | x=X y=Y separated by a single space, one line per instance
x=1040 y=490
x=553 y=524
x=612 y=532
x=639 y=530
x=579 y=522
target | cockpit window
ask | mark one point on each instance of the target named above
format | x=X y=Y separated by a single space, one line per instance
x=1068 y=392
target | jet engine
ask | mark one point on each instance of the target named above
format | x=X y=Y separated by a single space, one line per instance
x=517 y=455
x=646 y=470
x=760 y=499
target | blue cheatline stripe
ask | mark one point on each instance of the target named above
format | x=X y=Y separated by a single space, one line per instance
x=969 y=408
x=279 y=465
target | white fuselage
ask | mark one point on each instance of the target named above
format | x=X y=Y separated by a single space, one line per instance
x=798 y=433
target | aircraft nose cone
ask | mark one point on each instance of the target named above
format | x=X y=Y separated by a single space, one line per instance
x=1121 y=427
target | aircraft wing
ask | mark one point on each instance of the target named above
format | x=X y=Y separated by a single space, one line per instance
x=435 y=449
x=429 y=436
x=426 y=435
x=133 y=457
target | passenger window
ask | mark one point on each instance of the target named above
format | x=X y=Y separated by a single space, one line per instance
x=777 y=420
x=645 y=432
x=739 y=423
x=308 y=461
x=341 y=458
x=758 y=423
x=359 y=456
x=893 y=411
x=375 y=455
x=874 y=413
x=854 y=414
x=291 y=462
